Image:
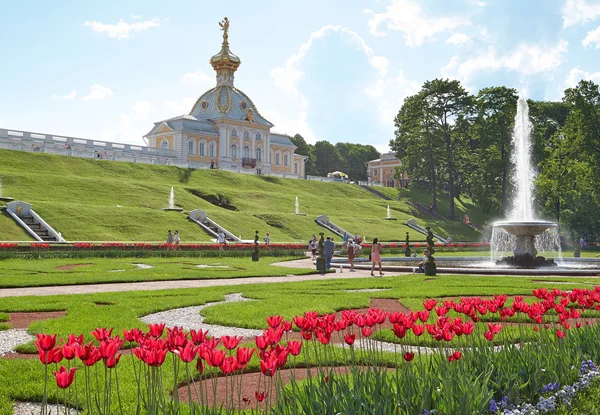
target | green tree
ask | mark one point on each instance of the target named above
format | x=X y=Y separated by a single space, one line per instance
x=448 y=103
x=354 y=158
x=327 y=158
x=416 y=144
x=496 y=108
x=305 y=149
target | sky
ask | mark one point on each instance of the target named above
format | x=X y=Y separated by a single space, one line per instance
x=335 y=70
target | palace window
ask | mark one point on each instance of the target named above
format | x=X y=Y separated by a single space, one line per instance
x=233 y=151
x=295 y=168
x=258 y=136
x=246 y=152
x=374 y=172
x=201 y=151
x=211 y=150
x=277 y=159
x=246 y=134
x=234 y=133
x=164 y=144
x=285 y=160
x=258 y=154
x=192 y=148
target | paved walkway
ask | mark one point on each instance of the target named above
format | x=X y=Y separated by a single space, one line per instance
x=172 y=284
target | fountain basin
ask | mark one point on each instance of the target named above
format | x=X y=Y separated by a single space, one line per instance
x=525 y=233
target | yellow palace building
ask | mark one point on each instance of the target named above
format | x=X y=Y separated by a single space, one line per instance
x=225 y=130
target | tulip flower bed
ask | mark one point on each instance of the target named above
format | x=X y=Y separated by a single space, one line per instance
x=143 y=250
x=461 y=372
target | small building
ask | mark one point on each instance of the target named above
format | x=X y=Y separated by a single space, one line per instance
x=383 y=172
x=225 y=130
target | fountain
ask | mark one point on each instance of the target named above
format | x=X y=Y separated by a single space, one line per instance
x=389 y=215
x=172 y=203
x=298 y=208
x=4 y=199
x=522 y=230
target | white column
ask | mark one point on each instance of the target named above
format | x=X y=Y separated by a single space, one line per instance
x=252 y=148
x=267 y=152
x=222 y=141
x=228 y=144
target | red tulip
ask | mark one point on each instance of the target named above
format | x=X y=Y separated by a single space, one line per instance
x=260 y=396
x=45 y=342
x=88 y=354
x=324 y=338
x=399 y=330
x=261 y=342
x=418 y=329
x=274 y=321
x=102 y=333
x=429 y=304
x=216 y=358
x=349 y=339
x=199 y=366
x=69 y=351
x=64 y=378
x=457 y=355
x=187 y=353
x=488 y=335
x=156 y=330
x=560 y=334
x=366 y=331
x=198 y=337
x=112 y=361
x=229 y=365
x=244 y=355
x=306 y=335
x=268 y=367
x=50 y=356
x=286 y=325
x=408 y=356
x=294 y=347
x=231 y=342
x=494 y=328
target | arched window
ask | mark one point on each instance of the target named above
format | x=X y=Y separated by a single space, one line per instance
x=201 y=150
x=211 y=150
x=285 y=160
x=234 y=133
x=246 y=134
x=258 y=136
x=164 y=144
x=246 y=152
x=192 y=148
x=233 y=151
x=258 y=154
x=295 y=168
x=277 y=159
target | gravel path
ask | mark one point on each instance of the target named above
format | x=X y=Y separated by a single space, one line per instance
x=34 y=408
x=9 y=339
x=190 y=318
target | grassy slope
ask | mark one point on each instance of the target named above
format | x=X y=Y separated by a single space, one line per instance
x=10 y=231
x=104 y=200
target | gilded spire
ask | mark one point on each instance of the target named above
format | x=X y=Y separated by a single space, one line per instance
x=225 y=63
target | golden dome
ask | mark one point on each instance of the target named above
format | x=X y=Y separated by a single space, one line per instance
x=225 y=63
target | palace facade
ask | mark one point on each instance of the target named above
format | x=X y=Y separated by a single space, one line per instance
x=225 y=130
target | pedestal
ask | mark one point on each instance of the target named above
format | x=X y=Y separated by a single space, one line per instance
x=525 y=245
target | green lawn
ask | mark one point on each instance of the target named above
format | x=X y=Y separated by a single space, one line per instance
x=10 y=231
x=46 y=272
x=22 y=378
x=103 y=200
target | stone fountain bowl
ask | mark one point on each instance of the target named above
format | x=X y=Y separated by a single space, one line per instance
x=525 y=228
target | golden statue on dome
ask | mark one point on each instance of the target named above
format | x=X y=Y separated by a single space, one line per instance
x=225 y=28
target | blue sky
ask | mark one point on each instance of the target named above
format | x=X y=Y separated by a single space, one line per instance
x=334 y=69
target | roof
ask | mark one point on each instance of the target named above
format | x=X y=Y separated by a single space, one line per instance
x=185 y=123
x=227 y=102
x=281 y=139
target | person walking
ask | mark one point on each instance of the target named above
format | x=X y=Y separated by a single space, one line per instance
x=267 y=240
x=176 y=240
x=329 y=247
x=351 y=254
x=345 y=240
x=169 y=238
x=312 y=246
x=221 y=240
x=376 y=255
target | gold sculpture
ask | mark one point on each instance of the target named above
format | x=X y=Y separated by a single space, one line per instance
x=250 y=115
x=225 y=28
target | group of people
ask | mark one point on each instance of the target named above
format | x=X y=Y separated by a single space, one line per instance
x=173 y=239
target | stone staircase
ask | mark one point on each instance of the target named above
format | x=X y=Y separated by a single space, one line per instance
x=375 y=192
x=211 y=227
x=427 y=211
x=323 y=220
x=25 y=216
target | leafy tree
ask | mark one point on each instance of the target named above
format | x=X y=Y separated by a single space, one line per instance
x=305 y=149
x=354 y=158
x=327 y=158
x=448 y=103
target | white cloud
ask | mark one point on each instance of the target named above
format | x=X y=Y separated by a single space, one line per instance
x=141 y=110
x=70 y=95
x=122 y=30
x=592 y=38
x=407 y=16
x=287 y=76
x=180 y=107
x=458 y=39
x=527 y=59
x=579 y=11
x=197 y=78
x=390 y=93
x=98 y=92
x=576 y=74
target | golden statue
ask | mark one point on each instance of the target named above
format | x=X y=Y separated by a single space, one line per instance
x=225 y=27
x=250 y=115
